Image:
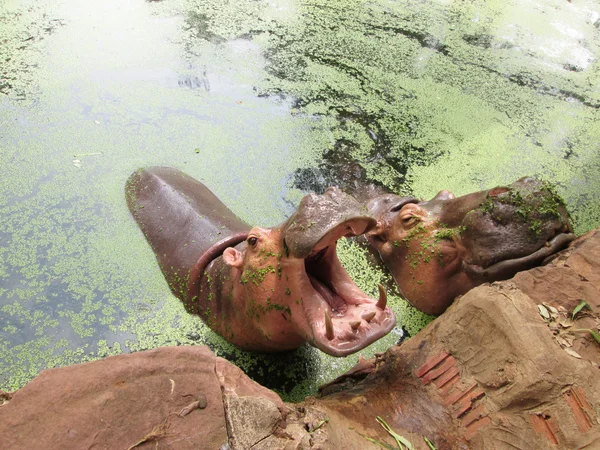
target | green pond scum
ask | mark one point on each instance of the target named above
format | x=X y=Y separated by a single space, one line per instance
x=262 y=102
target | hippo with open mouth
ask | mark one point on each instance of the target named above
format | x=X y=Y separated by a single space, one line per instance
x=262 y=289
x=439 y=249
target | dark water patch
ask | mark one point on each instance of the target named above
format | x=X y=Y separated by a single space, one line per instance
x=282 y=372
x=198 y=24
x=336 y=169
x=23 y=28
x=480 y=40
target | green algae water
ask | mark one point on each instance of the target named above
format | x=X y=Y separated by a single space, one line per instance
x=262 y=102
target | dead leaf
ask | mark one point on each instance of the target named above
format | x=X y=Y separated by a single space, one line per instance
x=553 y=311
x=565 y=322
x=543 y=312
x=573 y=353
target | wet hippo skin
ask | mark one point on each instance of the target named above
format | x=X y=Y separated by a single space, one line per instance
x=263 y=289
x=441 y=248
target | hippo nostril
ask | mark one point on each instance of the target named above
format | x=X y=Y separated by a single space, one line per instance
x=397 y=207
x=403 y=201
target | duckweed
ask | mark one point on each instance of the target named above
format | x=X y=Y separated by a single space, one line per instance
x=415 y=96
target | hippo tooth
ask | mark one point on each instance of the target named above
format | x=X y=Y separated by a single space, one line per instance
x=368 y=316
x=328 y=326
x=354 y=325
x=382 y=302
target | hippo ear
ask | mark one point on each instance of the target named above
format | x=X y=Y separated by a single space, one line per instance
x=378 y=231
x=233 y=257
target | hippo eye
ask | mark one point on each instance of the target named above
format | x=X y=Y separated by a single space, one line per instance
x=409 y=221
x=252 y=240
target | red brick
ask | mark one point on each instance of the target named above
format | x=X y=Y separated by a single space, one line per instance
x=430 y=364
x=456 y=396
x=475 y=427
x=575 y=398
x=435 y=373
x=541 y=426
x=449 y=375
x=465 y=403
x=473 y=415
x=447 y=388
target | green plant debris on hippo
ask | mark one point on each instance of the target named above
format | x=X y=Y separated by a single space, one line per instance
x=244 y=282
x=441 y=248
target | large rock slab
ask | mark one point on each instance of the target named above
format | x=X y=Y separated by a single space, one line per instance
x=126 y=400
x=171 y=397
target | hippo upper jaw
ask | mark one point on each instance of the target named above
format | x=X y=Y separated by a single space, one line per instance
x=332 y=313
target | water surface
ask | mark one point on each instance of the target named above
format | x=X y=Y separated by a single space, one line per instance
x=261 y=101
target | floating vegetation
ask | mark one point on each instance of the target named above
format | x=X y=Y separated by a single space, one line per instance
x=260 y=101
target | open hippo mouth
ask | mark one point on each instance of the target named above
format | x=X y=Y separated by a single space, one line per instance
x=337 y=316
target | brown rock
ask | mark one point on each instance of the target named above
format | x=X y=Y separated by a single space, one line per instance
x=234 y=381
x=119 y=401
x=585 y=259
x=175 y=397
x=557 y=286
x=250 y=420
x=487 y=374
x=573 y=275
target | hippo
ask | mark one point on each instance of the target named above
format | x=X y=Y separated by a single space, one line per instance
x=262 y=289
x=439 y=249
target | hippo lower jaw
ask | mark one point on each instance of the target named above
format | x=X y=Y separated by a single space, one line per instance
x=333 y=313
x=507 y=268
